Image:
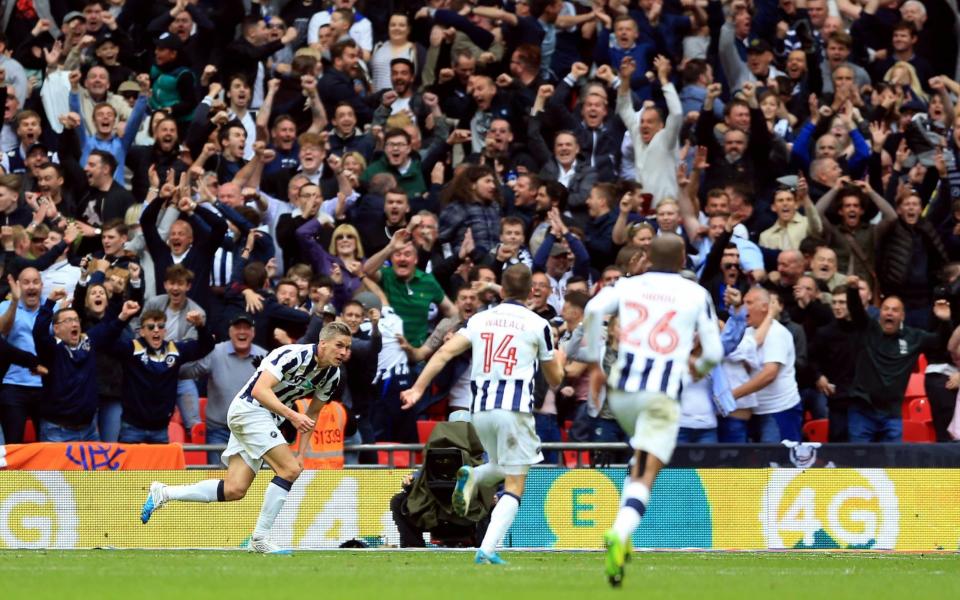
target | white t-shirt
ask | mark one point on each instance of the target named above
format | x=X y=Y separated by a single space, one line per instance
x=782 y=392
x=740 y=366
x=697 y=410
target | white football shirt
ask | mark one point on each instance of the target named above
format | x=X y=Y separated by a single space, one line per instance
x=299 y=376
x=659 y=314
x=508 y=342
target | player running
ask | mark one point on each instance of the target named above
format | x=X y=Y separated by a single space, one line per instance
x=659 y=314
x=508 y=341
x=286 y=375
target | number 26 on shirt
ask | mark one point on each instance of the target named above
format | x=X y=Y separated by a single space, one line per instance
x=504 y=353
x=662 y=338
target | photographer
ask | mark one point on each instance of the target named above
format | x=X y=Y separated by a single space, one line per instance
x=424 y=504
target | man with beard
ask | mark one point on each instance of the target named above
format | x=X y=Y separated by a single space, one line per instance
x=744 y=155
x=163 y=155
x=70 y=388
x=403 y=97
x=336 y=86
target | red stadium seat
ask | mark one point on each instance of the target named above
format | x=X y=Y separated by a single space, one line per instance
x=915 y=387
x=424 y=429
x=29 y=432
x=401 y=460
x=919 y=410
x=176 y=433
x=921 y=364
x=817 y=430
x=923 y=433
x=203 y=409
x=198 y=435
x=176 y=418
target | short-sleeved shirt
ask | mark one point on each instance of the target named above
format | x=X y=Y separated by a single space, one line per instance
x=411 y=301
x=782 y=392
x=21 y=336
x=298 y=376
x=508 y=342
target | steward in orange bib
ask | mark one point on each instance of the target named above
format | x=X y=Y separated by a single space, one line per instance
x=325 y=450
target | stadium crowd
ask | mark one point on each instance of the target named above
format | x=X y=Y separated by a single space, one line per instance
x=191 y=183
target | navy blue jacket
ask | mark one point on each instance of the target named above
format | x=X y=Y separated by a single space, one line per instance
x=150 y=377
x=70 y=389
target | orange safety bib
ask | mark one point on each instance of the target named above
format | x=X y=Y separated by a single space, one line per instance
x=325 y=450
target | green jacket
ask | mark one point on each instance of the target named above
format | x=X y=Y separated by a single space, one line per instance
x=425 y=508
x=412 y=181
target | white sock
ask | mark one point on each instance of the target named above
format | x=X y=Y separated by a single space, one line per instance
x=273 y=500
x=500 y=521
x=636 y=496
x=208 y=490
x=488 y=474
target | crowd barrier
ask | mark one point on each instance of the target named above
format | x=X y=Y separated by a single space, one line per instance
x=740 y=509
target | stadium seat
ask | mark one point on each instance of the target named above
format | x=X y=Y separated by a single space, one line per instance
x=29 y=432
x=176 y=433
x=401 y=460
x=921 y=365
x=915 y=431
x=424 y=429
x=203 y=409
x=915 y=387
x=438 y=410
x=919 y=410
x=198 y=435
x=817 y=430
x=176 y=418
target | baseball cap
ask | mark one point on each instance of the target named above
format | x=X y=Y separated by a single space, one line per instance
x=368 y=300
x=38 y=145
x=242 y=318
x=329 y=309
x=107 y=38
x=71 y=16
x=759 y=46
x=128 y=87
x=559 y=250
x=914 y=105
x=170 y=42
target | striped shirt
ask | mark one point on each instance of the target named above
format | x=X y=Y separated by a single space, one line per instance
x=508 y=343
x=659 y=313
x=299 y=376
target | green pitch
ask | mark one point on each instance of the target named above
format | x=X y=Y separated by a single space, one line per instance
x=183 y=575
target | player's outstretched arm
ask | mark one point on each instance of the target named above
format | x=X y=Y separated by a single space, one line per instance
x=263 y=393
x=455 y=346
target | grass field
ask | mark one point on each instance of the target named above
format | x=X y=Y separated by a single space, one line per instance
x=157 y=575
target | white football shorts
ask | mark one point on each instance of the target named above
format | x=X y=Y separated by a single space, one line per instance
x=509 y=438
x=651 y=419
x=253 y=433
